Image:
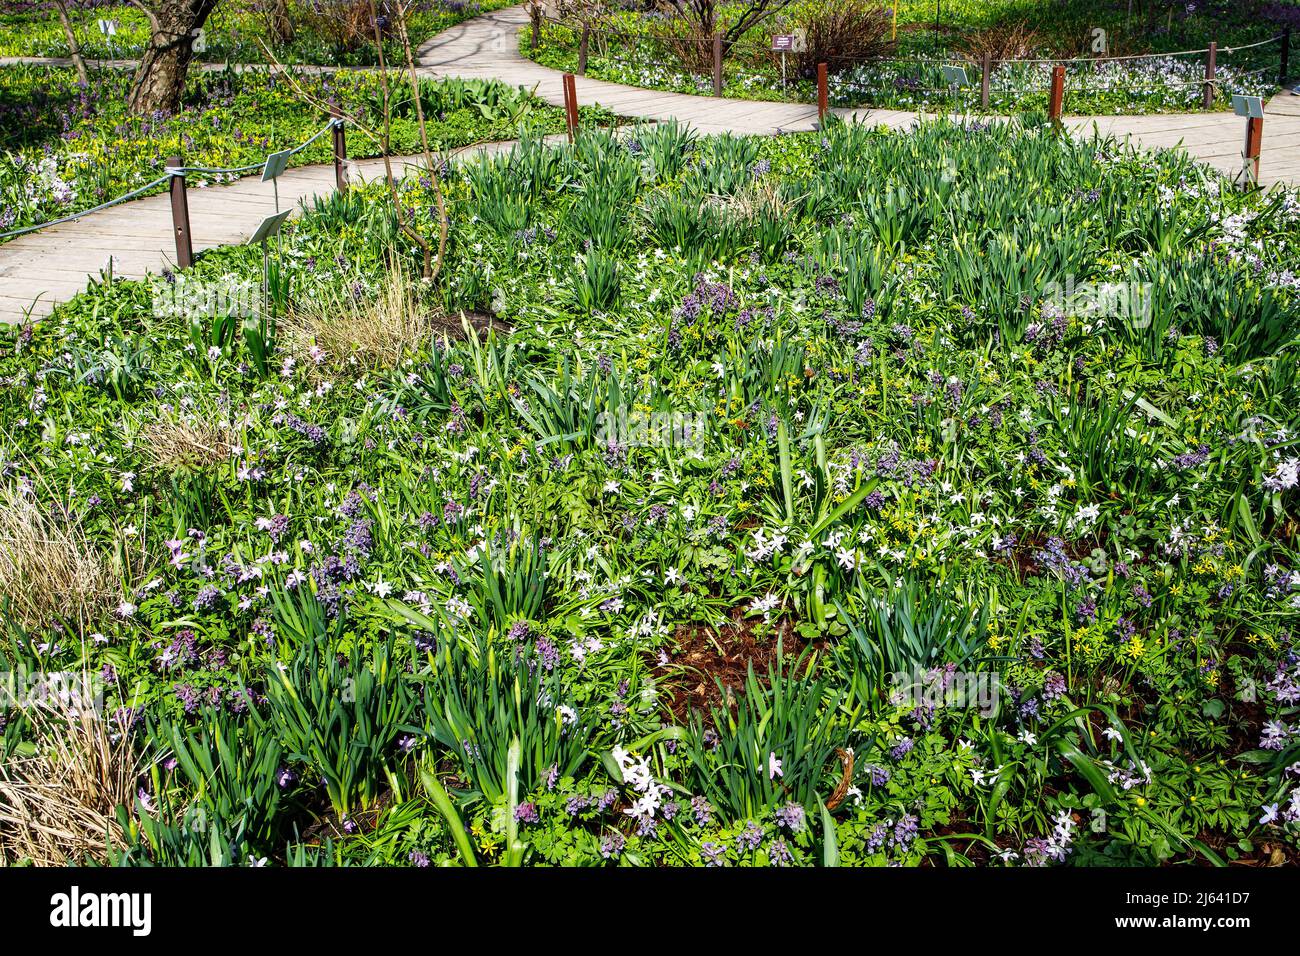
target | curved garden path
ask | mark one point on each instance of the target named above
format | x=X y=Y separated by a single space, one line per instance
x=488 y=46
x=50 y=266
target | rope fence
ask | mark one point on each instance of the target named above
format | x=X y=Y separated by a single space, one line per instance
x=175 y=173
x=586 y=32
x=86 y=212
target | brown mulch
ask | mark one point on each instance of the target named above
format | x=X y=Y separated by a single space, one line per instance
x=705 y=657
x=480 y=322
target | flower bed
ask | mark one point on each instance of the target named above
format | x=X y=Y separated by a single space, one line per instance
x=931 y=491
x=335 y=33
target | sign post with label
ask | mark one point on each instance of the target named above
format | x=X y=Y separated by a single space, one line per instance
x=784 y=43
x=109 y=30
x=1252 y=108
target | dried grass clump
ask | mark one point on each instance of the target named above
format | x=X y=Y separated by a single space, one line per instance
x=58 y=806
x=372 y=333
x=176 y=444
x=49 y=571
x=760 y=198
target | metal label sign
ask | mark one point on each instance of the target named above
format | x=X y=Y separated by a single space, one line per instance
x=276 y=163
x=796 y=42
x=955 y=75
x=269 y=227
x=1248 y=106
x=108 y=28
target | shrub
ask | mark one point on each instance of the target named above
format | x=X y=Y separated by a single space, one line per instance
x=1005 y=41
x=840 y=32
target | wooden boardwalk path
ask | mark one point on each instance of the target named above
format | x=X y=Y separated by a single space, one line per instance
x=43 y=268
x=50 y=266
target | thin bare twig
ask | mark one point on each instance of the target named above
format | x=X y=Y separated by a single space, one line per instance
x=434 y=182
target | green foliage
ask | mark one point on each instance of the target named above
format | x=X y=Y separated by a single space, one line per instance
x=753 y=396
x=776 y=746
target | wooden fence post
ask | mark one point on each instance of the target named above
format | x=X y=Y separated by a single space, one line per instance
x=823 y=93
x=571 y=105
x=986 y=67
x=1057 y=99
x=582 y=48
x=717 y=64
x=1207 y=96
x=180 y=213
x=340 y=151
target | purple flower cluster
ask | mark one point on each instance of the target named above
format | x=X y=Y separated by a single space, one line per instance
x=791 y=816
x=1052 y=557
x=313 y=433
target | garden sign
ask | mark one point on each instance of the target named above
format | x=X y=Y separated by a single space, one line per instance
x=784 y=43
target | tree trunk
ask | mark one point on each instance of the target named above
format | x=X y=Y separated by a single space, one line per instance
x=160 y=81
x=74 y=48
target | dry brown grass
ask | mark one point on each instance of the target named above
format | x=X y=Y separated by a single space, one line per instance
x=373 y=333
x=176 y=444
x=841 y=34
x=1008 y=41
x=49 y=571
x=761 y=197
x=59 y=804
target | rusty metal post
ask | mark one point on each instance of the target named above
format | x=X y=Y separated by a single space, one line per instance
x=583 y=44
x=823 y=92
x=986 y=67
x=1057 y=99
x=180 y=213
x=1254 y=146
x=571 y=105
x=1284 y=65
